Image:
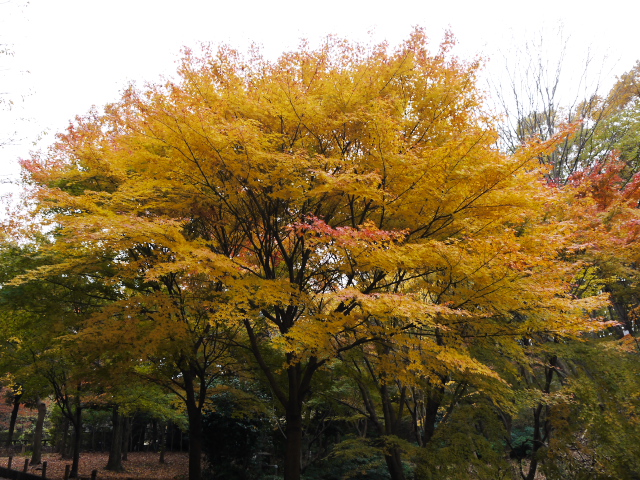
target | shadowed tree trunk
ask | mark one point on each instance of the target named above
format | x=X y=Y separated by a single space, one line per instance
x=541 y=425
x=163 y=440
x=292 y=399
x=77 y=437
x=36 y=457
x=115 y=452
x=17 y=395
x=392 y=418
x=126 y=438
x=194 y=411
x=142 y=437
x=292 y=466
x=62 y=441
x=154 y=436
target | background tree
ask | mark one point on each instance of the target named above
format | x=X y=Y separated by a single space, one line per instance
x=13 y=396
x=540 y=96
x=161 y=332
x=37 y=316
x=598 y=164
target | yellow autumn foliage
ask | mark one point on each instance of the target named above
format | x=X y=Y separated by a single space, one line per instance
x=331 y=199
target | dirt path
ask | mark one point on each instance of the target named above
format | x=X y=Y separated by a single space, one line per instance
x=140 y=466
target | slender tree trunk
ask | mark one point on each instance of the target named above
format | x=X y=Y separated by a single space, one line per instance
x=77 y=438
x=36 y=457
x=14 y=417
x=126 y=440
x=63 y=441
x=393 y=456
x=163 y=440
x=541 y=426
x=143 y=433
x=115 y=452
x=154 y=435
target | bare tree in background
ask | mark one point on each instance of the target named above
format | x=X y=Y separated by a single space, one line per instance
x=12 y=93
x=541 y=92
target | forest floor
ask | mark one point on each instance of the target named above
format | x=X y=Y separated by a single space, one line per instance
x=139 y=466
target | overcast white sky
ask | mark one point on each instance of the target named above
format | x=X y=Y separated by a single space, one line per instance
x=71 y=54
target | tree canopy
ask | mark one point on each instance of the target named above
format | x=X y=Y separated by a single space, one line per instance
x=340 y=211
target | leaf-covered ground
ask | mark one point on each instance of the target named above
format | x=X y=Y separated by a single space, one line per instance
x=140 y=466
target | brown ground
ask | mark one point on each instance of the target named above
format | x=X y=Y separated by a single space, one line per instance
x=140 y=466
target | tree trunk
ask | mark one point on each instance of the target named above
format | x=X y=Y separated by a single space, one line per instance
x=141 y=439
x=195 y=446
x=154 y=436
x=299 y=384
x=194 y=413
x=393 y=456
x=36 y=457
x=432 y=405
x=126 y=440
x=14 y=417
x=541 y=426
x=394 y=464
x=77 y=438
x=163 y=441
x=293 y=430
x=115 y=452
x=63 y=440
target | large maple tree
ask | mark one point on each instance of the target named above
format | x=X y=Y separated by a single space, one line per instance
x=338 y=198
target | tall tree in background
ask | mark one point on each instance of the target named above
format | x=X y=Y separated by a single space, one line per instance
x=598 y=166
x=541 y=95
